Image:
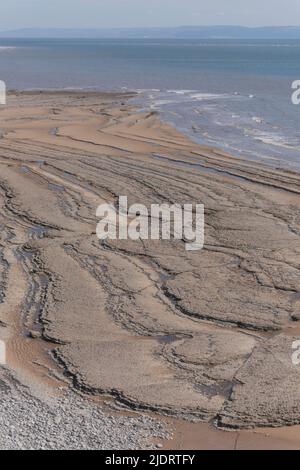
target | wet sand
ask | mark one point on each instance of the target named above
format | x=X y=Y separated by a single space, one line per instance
x=200 y=436
x=197 y=336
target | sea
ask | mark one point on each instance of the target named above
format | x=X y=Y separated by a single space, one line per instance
x=230 y=94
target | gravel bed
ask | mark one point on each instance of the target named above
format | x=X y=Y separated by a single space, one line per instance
x=68 y=422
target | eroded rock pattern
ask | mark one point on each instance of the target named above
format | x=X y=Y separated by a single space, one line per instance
x=203 y=335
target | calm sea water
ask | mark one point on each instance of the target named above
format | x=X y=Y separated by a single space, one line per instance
x=228 y=93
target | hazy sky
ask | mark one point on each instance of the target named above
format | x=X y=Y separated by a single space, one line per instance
x=128 y=13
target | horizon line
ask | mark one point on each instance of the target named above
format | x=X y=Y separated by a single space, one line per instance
x=106 y=28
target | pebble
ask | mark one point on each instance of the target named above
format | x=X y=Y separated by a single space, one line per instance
x=58 y=423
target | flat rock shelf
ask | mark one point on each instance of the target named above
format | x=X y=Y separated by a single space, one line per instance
x=202 y=336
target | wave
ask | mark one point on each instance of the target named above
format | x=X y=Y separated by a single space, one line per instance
x=181 y=92
x=209 y=96
x=274 y=139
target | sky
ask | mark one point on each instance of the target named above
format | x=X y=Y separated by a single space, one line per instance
x=15 y=14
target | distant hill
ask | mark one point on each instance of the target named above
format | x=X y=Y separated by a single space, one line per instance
x=183 y=32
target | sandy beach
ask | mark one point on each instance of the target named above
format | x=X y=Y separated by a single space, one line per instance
x=196 y=344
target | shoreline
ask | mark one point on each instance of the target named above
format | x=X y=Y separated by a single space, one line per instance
x=136 y=296
x=267 y=162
